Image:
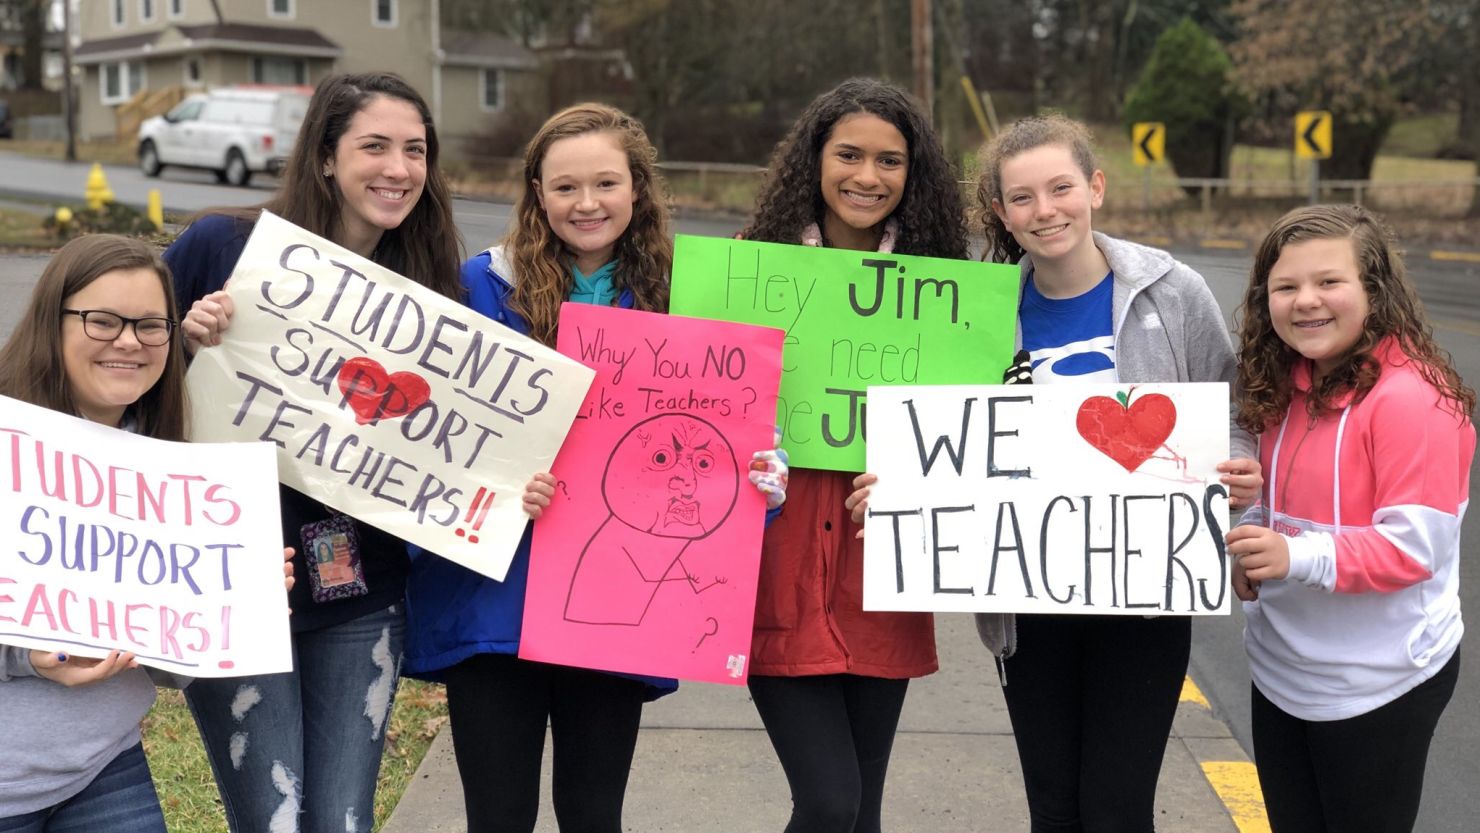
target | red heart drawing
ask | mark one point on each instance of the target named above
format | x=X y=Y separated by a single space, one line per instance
x=1129 y=436
x=376 y=395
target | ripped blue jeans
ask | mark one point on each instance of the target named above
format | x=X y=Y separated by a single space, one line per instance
x=299 y=752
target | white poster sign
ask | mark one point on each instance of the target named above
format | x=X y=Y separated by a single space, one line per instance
x=114 y=541
x=385 y=400
x=1048 y=498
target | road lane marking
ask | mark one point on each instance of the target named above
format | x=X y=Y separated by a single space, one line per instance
x=1461 y=257
x=1466 y=327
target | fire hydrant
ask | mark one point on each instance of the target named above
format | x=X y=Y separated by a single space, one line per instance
x=98 y=194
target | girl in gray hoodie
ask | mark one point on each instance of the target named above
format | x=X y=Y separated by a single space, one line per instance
x=1092 y=697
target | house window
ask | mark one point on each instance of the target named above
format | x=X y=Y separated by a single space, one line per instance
x=491 y=90
x=192 y=72
x=146 y=11
x=279 y=71
x=177 y=9
x=119 y=8
x=119 y=82
x=280 y=8
x=383 y=12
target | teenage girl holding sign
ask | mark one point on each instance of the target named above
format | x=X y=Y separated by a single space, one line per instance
x=306 y=745
x=861 y=169
x=590 y=227
x=97 y=341
x=1091 y=697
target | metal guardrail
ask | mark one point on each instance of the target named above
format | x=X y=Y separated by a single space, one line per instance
x=1358 y=191
x=1352 y=190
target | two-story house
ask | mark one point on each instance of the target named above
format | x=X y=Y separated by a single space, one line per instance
x=124 y=47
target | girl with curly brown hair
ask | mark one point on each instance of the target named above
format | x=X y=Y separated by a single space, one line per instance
x=861 y=169
x=1349 y=565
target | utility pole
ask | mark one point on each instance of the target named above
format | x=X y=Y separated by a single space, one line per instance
x=69 y=118
x=922 y=43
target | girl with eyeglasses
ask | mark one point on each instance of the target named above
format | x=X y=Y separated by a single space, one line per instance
x=97 y=342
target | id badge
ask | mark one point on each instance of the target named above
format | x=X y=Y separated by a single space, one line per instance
x=331 y=549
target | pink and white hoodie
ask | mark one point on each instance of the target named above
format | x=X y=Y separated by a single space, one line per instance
x=1369 y=498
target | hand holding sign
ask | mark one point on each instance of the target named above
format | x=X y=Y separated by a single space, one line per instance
x=74 y=672
x=207 y=320
x=538 y=493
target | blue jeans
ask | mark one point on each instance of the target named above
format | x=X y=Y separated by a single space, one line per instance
x=300 y=751
x=120 y=800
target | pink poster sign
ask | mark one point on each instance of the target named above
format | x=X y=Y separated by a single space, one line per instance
x=646 y=561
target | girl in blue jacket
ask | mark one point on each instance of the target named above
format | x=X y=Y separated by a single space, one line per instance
x=591 y=226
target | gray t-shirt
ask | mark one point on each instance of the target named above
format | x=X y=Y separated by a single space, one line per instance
x=56 y=739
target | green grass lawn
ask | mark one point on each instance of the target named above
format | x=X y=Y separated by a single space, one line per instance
x=20 y=228
x=188 y=792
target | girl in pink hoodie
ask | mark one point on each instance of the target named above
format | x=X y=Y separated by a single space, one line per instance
x=1348 y=566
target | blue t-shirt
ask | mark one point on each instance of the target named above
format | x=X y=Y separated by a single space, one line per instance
x=1070 y=339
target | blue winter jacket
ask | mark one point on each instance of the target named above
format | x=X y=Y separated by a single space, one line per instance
x=453 y=613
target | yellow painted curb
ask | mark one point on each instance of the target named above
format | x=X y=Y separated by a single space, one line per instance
x=1153 y=240
x=1221 y=243
x=1237 y=784
x=1462 y=257
x=1192 y=694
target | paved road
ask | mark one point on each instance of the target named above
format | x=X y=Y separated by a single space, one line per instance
x=185 y=192
x=1449 y=289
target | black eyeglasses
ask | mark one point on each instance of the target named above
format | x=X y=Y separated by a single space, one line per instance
x=102 y=325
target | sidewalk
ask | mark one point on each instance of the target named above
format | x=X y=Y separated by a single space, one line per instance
x=703 y=763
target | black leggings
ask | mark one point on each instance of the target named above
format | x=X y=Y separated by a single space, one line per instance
x=499 y=705
x=833 y=734
x=1363 y=774
x=1091 y=700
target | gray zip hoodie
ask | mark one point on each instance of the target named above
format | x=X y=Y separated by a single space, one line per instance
x=1168 y=328
x=54 y=740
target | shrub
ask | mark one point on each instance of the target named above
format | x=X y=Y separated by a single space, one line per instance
x=1187 y=85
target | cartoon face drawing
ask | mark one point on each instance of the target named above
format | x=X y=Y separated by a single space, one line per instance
x=672 y=475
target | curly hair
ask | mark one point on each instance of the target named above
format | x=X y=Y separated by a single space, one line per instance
x=1263 y=386
x=930 y=211
x=426 y=246
x=644 y=252
x=32 y=367
x=1021 y=136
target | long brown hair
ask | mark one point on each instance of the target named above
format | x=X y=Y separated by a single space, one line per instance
x=1265 y=360
x=929 y=213
x=426 y=247
x=540 y=260
x=1019 y=137
x=31 y=365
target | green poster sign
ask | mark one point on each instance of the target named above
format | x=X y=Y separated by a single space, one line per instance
x=852 y=319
